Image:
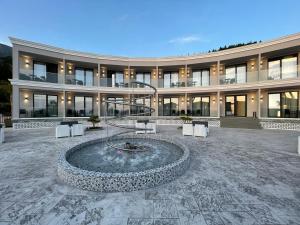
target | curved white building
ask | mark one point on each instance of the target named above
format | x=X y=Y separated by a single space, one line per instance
x=259 y=80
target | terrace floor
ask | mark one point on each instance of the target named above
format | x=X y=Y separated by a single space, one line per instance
x=236 y=176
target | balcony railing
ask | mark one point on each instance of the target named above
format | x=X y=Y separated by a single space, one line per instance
x=49 y=77
x=71 y=79
x=242 y=78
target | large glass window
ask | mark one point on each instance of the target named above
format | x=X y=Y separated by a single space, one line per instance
x=119 y=79
x=45 y=105
x=170 y=107
x=39 y=71
x=201 y=106
x=40 y=105
x=289 y=67
x=283 y=104
x=235 y=74
x=283 y=68
x=52 y=106
x=274 y=70
x=83 y=106
x=140 y=108
x=200 y=78
x=236 y=105
x=143 y=78
x=171 y=79
x=113 y=108
x=84 y=77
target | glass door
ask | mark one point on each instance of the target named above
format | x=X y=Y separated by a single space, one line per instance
x=236 y=106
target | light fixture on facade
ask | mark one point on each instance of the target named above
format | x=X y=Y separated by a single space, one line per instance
x=26 y=63
x=26 y=98
x=103 y=99
x=252 y=65
x=62 y=99
x=261 y=98
x=252 y=99
x=97 y=100
x=214 y=100
x=61 y=68
x=69 y=100
x=221 y=100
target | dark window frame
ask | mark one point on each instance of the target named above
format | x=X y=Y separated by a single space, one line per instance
x=201 y=78
x=47 y=113
x=84 y=105
x=235 y=68
x=280 y=60
x=201 y=113
x=281 y=108
x=235 y=102
x=84 y=74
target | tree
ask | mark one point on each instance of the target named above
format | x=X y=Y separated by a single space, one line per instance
x=94 y=120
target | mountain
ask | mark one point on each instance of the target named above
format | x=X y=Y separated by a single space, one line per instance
x=5 y=51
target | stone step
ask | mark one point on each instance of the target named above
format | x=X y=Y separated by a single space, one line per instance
x=240 y=122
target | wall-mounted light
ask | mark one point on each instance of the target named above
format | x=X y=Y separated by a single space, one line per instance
x=214 y=100
x=69 y=100
x=26 y=98
x=252 y=99
x=221 y=100
x=62 y=99
x=97 y=74
x=261 y=98
x=252 y=65
x=26 y=63
x=159 y=101
x=97 y=100
x=61 y=68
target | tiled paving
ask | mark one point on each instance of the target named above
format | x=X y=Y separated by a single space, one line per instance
x=236 y=177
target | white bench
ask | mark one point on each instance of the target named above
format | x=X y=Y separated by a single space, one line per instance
x=62 y=131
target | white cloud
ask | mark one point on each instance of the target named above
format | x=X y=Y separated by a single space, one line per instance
x=187 y=39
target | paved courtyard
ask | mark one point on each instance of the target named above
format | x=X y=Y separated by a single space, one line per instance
x=236 y=176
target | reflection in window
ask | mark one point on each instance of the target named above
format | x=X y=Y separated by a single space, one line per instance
x=119 y=79
x=39 y=71
x=45 y=105
x=114 y=109
x=40 y=105
x=274 y=70
x=235 y=74
x=143 y=78
x=171 y=79
x=170 y=107
x=84 y=77
x=200 y=78
x=289 y=67
x=283 y=104
x=83 y=106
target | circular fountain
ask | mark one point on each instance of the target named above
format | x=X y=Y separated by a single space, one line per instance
x=123 y=161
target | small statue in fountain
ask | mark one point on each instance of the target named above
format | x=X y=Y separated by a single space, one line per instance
x=129 y=146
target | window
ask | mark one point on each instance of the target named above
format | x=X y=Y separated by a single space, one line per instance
x=283 y=104
x=39 y=71
x=141 y=109
x=200 y=78
x=113 y=108
x=171 y=79
x=84 y=77
x=201 y=106
x=83 y=106
x=289 y=67
x=119 y=79
x=283 y=68
x=170 y=107
x=144 y=78
x=235 y=74
x=45 y=105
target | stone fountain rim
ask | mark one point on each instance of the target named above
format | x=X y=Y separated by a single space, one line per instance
x=67 y=167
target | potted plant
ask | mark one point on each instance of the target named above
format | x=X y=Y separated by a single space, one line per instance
x=185 y=119
x=94 y=120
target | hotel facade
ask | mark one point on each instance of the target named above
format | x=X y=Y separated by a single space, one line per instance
x=258 y=81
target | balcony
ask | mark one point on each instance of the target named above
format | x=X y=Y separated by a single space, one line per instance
x=72 y=79
x=48 y=77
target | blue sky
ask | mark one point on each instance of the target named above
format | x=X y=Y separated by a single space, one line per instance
x=147 y=27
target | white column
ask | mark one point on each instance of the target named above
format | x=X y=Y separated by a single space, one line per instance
x=185 y=103
x=258 y=103
x=64 y=105
x=15 y=63
x=218 y=103
x=99 y=102
x=258 y=67
x=218 y=72
x=15 y=102
x=99 y=77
